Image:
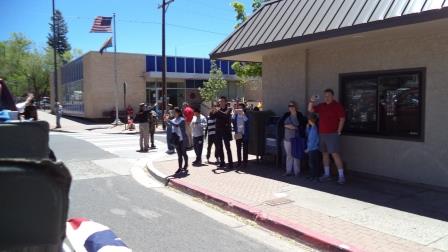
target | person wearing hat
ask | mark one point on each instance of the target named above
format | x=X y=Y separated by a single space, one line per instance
x=142 y=119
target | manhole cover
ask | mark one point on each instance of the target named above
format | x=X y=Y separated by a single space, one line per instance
x=279 y=201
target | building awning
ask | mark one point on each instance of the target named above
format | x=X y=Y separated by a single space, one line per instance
x=281 y=23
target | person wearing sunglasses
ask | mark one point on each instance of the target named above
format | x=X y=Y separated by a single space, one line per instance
x=292 y=125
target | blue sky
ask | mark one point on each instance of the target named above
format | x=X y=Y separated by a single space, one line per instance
x=138 y=23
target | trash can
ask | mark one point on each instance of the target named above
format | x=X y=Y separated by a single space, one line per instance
x=257 y=131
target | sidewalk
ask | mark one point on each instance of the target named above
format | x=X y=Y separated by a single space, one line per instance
x=363 y=215
x=80 y=125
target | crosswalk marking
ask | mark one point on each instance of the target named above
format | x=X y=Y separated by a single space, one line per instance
x=118 y=144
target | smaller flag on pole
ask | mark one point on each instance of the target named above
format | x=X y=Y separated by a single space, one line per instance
x=106 y=44
x=102 y=25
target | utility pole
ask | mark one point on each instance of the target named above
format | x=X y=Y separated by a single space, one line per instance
x=164 y=8
x=55 y=42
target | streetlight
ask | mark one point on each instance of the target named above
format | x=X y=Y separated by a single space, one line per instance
x=164 y=8
x=55 y=76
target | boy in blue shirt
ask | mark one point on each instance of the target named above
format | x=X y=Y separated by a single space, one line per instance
x=313 y=146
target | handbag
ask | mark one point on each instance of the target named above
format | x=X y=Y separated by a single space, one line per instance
x=297 y=147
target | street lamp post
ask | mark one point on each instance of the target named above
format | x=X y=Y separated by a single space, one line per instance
x=55 y=72
x=164 y=8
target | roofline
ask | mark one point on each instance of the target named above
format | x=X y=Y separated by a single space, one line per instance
x=366 y=27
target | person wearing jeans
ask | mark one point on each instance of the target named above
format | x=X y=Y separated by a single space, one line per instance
x=198 y=125
x=313 y=147
x=179 y=137
x=241 y=129
x=294 y=125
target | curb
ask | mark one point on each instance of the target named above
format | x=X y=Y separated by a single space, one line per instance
x=287 y=228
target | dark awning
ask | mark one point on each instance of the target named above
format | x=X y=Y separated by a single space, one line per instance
x=286 y=22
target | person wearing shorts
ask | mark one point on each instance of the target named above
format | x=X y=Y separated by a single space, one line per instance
x=331 y=122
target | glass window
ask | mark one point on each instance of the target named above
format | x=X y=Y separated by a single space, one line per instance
x=190 y=65
x=190 y=83
x=73 y=96
x=225 y=67
x=159 y=63
x=150 y=63
x=207 y=66
x=198 y=83
x=385 y=104
x=180 y=64
x=199 y=65
x=170 y=64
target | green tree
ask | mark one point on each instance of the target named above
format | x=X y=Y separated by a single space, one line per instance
x=257 y=4
x=60 y=41
x=38 y=74
x=13 y=63
x=244 y=70
x=240 y=10
x=215 y=84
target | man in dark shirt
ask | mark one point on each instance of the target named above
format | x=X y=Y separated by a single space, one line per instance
x=223 y=132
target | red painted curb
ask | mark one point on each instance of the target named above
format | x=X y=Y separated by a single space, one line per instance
x=282 y=226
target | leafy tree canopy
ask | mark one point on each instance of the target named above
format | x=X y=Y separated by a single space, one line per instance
x=215 y=84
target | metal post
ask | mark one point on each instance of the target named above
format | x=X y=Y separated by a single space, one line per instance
x=164 y=105
x=124 y=94
x=117 y=119
x=55 y=72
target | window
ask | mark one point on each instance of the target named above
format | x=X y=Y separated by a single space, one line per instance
x=159 y=64
x=190 y=65
x=150 y=63
x=170 y=64
x=180 y=65
x=385 y=104
x=199 y=66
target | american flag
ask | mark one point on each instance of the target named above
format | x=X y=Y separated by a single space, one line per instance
x=85 y=235
x=102 y=25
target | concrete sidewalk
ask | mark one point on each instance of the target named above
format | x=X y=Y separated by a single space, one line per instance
x=364 y=214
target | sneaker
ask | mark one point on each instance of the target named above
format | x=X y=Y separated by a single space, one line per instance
x=325 y=178
x=153 y=147
x=178 y=171
x=170 y=152
x=341 y=180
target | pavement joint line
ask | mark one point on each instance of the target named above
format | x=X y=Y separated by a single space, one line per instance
x=282 y=226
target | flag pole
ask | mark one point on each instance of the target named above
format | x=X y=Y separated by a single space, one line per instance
x=117 y=119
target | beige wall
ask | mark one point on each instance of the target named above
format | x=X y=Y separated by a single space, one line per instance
x=420 y=162
x=99 y=93
x=283 y=80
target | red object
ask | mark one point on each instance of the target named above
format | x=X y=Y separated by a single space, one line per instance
x=329 y=116
x=76 y=222
x=188 y=114
x=130 y=111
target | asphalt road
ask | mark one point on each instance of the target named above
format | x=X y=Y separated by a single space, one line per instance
x=148 y=219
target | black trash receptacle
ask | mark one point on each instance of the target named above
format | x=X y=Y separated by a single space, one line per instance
x=257 y=131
